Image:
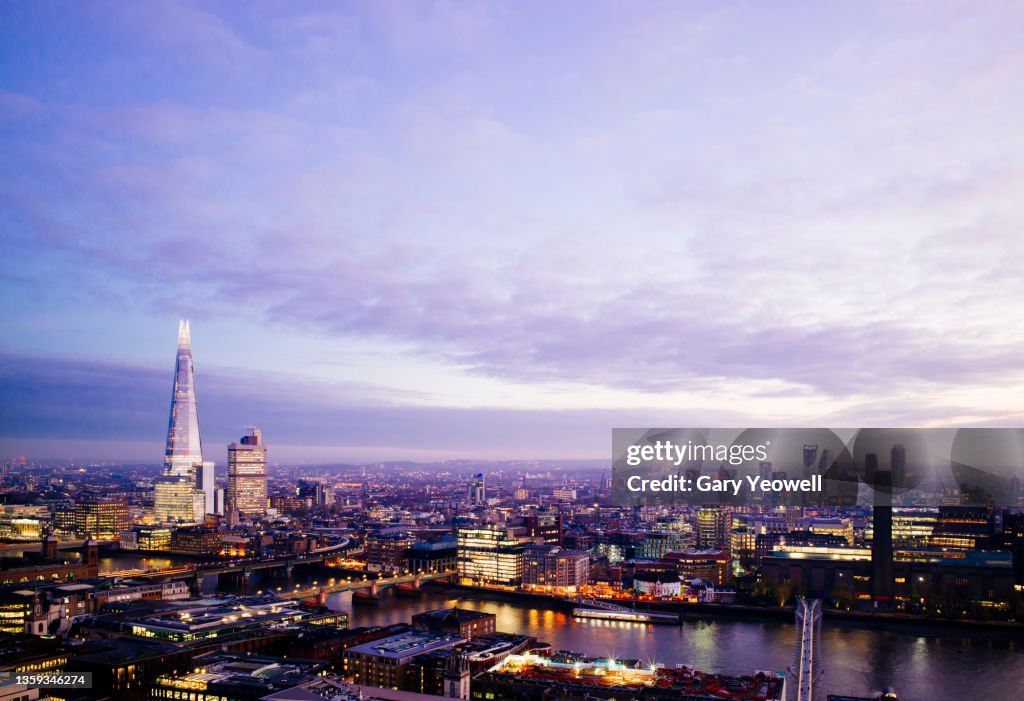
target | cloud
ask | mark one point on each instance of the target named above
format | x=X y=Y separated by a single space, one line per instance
x=651 y=203
x=76 y=400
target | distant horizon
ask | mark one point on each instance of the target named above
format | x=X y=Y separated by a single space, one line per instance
x=75 y=451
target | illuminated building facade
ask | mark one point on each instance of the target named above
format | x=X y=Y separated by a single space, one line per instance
x=103 y=520
x=247 y=475
x=387 y=553
x=842 y=527
x=489 y=556
x=712 y=565
x=962 y=528
x=173 y=500
x=183 y=455
x=712 y=528
x=555 y=568
x=478 y=490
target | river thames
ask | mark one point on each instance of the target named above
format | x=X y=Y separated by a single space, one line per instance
x=922 y=665
x=932 y=667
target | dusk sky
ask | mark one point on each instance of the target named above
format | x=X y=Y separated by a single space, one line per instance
x=447 y=230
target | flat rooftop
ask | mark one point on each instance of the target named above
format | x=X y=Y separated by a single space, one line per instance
x=405 y=645
x=601 y=672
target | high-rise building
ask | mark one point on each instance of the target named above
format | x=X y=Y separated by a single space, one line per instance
x=898 y=465
x=247 y=475
x=183 y=457
x=712 y=528
x=316 y=492
x=101 y=519
x=206 y=483
x=478 y=490
x=489 y=556
x=881 y=539
x=174 y=500
x=810 y=459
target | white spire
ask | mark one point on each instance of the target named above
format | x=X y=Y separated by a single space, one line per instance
x=184 y=338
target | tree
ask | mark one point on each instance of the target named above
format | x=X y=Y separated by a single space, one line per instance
x=842 y=597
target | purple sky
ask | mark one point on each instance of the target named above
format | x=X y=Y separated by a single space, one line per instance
x=498 y=230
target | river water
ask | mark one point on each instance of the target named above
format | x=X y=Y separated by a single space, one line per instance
x=933 y=667
x=927 y=665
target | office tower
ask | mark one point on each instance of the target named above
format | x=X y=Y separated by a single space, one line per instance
x=173 y=499
x=205 y=483
x=478 y=490
x=315 y=492
x=183 y=457
x=712 y=528
x=101 y=519
x=898 y=465
x=810 y=458
x=962 y=528
x=247 y=475
x=489 y=556
x=881 y=540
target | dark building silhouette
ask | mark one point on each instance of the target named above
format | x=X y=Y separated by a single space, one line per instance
x=881 y=543
x=810 y=458
x=898 y=465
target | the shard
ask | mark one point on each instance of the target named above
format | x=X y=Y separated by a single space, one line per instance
x=185 y=492
x=184 y=449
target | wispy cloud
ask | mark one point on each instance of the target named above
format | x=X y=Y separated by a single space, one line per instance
x=645 y=203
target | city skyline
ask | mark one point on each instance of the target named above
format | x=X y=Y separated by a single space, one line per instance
x=423 y=260
x=431 y=243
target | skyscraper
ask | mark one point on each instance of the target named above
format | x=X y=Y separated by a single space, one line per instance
x=898 y=465
x=478 y=489
x=810 y=458
x=881 y=541
x=247 y=476
x=184 y=448
x=185 y=473
x=712 y=528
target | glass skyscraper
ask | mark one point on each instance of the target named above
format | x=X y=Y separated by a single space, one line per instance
x=184 y=448
x=185 y=473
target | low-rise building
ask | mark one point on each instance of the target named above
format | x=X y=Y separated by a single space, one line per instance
x=656 y=583
x=534 y=678
x=386 y=662
x=457 y=622
x=714 y=566
x=228 y=676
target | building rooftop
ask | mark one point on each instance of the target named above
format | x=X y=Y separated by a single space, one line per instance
x=653 y=681
x=453 y=615
x=317 y=690
x=406 y=645
x=238 y=670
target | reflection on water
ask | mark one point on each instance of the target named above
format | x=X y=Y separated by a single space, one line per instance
x=117 y=564
x=856 y=661
x=931 y=667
